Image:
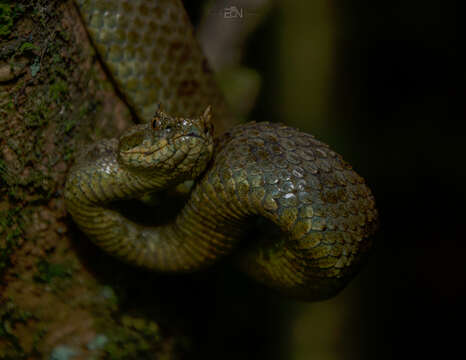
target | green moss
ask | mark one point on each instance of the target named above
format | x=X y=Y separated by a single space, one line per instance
x=149 y=328
x=69 y=124
x=47 y=271
x=65 y=36
x=56 y=58
x=68 y=153
x=37 y=117
x=58 y=90
x=10 y=317
x=126 y=344
x=26 y=47
x=11 y=229
x=6 y=19
x=47 y=104
x=131 y=338
x=8 y=14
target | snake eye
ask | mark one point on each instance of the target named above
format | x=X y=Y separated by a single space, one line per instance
x=154 y=124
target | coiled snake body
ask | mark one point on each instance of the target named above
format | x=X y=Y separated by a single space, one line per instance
x=323 y=210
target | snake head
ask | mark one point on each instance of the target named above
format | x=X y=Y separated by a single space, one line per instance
x=173 y=147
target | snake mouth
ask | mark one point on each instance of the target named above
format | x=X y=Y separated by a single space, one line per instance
x=166 y=143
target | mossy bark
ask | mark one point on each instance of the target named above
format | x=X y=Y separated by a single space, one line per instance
x=60 y=297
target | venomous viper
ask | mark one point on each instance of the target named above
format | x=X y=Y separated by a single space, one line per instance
x=323 y=211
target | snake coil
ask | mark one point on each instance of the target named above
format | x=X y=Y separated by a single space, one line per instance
x=322 y=210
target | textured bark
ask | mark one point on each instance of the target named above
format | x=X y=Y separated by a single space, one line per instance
x=60 y=295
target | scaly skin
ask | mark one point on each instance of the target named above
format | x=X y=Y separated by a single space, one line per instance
x=323 y=212
x=152 y=54
x=323 y=209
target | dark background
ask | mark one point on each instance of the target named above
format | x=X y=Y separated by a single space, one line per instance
x=395 y=110
x=405 y=64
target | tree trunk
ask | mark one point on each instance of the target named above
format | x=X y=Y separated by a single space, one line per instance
x=61 y=297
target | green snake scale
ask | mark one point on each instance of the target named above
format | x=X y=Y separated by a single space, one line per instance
x=321 y=212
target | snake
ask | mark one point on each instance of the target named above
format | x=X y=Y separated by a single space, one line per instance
x=287 y=209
